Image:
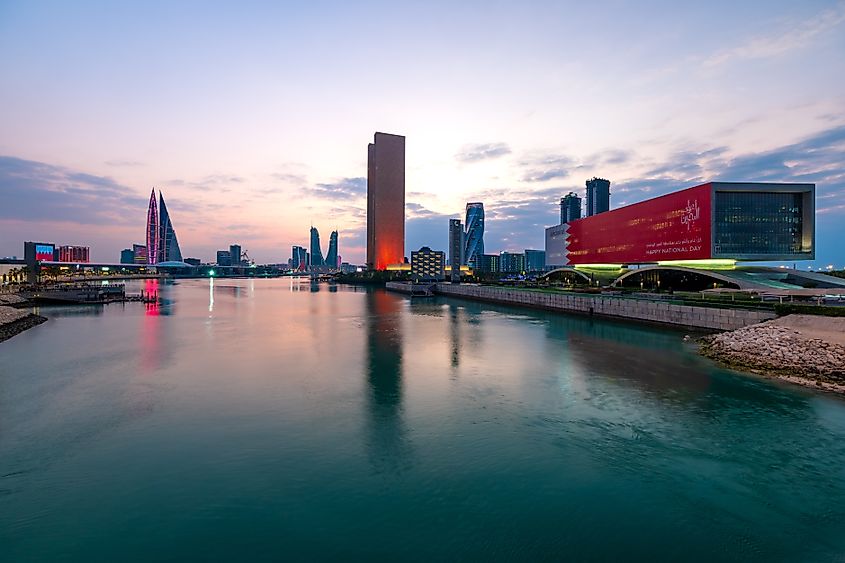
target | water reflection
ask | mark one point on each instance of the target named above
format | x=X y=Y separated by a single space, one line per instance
x=387 y=443
x=455 y=335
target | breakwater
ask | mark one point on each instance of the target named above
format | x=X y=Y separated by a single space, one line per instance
x=14 y=321
x=690 y=316
x=802 y=349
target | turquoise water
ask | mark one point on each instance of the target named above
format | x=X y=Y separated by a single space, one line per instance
x=279 y=420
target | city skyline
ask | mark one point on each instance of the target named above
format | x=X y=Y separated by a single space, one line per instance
x=75 y=163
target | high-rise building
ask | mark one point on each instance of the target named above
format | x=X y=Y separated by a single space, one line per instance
x=385 y=201
x=299 y=258
x=152 y=229
x=456 y=248
x=224 y=258
x=474 y=240
x=127 y=256
x=535 y=260
x=162 y=245
x=316 y=252
x=598 y=196
x=168 y=245
x=428 y=264
x=570 y=208
x=140 y=252
x=78 y=254
x=235 y=254
x=331 y=255
x=488 y=263
x=511 y=262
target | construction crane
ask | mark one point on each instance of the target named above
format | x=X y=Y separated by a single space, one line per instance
x=246 y=259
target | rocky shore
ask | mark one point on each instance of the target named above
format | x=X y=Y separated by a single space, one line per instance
x=802 y=349
x=14 y=321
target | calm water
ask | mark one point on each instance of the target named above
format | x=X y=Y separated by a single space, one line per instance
x=276 y=420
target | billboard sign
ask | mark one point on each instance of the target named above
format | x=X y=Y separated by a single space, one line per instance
x=675 y=226
x=44 y=252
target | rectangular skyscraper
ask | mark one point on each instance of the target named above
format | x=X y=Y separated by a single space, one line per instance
x=598 y=196
x=570 y=208
x=456 y=247
x=385 y=201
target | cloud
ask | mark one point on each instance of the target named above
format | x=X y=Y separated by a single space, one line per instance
x=35 y=191
x=125 y=163
x=796 y=35
x=345 y=188
x=475 y=153
x=545 y=168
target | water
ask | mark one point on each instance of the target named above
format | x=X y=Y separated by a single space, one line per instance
x=276 y=420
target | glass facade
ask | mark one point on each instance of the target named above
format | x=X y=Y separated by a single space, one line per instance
x=474 y=238
x=758 y=223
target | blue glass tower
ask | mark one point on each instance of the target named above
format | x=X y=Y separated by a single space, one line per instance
x=474 y=233
x=316 y=253
x=331 y=255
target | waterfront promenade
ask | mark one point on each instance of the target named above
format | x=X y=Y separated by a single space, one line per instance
x=612 y=306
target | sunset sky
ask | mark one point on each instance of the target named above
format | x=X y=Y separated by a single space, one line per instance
x=253 y=118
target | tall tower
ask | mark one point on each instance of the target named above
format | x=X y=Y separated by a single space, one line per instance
x=570 y=208
x=474 y=247
x=152 y=230
x=598 y=196
x=385 y=201
x=331 y=255
x=456 y=248
x=316 y=253
x=235 y=253
x=168 y=245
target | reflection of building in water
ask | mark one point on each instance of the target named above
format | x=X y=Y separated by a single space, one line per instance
x=388 y=448
x=151 y=329
x=455 y=334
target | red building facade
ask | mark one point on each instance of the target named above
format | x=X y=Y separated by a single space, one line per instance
x=385 y=201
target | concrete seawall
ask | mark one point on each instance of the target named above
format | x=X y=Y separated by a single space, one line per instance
x=610 y=306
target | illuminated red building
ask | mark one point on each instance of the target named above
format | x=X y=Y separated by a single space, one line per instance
x=717 y=220
x=385 y=201
x=78 y=254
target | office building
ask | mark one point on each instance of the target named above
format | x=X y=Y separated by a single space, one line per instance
x=193 y=261
x=78 y=254
x=140 y=252
x=511 y=262
x=474 y=238
x=428 y=264
x=570 y=207
x=168 y=245
x=598 y=196
x=127 y=256
x=331 y=255
x=235 y=254
x=152 y=229
x=316 y=251
x=535 y=260
x=740 y=221
x=162 y=244
x=385 y=201
x=488 y=263
x=224 y=258
x=299 y=258
x=456 y=248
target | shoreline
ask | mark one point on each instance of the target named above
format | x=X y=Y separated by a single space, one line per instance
x=799 y=349
x=15 y=321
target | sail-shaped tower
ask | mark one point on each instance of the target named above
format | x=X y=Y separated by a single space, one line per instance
x=152 y=230
x=168 y=247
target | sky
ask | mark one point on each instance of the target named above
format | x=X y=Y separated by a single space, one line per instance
x=253 y=118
